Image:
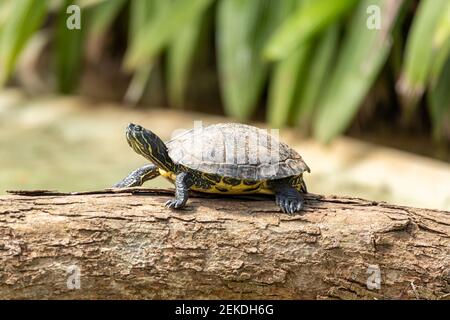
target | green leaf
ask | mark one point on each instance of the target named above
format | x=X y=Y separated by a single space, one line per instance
x=315 y=83
x=285 y=81
x=138 y=84
x=69 y=50
x=179 y=59
x=242 y=29
x=363 y=53
x=103 y=15
x=419 y=52
x=439 y=100
x=90 y=3
x=158 y=32
x=16 y=30
x=441 y=43
x=283 y=84
x=5 y=10
x=303 y=24
x=141 y=12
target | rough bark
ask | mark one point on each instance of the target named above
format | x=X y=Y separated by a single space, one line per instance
x=127 y=245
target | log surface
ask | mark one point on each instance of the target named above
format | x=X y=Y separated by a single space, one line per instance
x=126 y=245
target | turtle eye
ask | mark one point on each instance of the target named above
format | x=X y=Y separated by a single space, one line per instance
x=138 y=128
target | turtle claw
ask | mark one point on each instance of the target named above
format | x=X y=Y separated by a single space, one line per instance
x=174 y=204
x=288 y=204
x=278 y=202
x=293 y=207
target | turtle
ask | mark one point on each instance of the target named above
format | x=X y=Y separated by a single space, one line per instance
x=223 y=158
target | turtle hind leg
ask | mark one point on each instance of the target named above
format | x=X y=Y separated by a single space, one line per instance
x=289 y=200
x=183 y=182
x=138 y=177
x=287 y=197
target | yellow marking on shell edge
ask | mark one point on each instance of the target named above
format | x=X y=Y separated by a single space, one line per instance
x=260 y=186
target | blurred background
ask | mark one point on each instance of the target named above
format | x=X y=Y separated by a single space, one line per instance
x=360 y=88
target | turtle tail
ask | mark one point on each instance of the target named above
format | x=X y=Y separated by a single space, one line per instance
x=149 y=145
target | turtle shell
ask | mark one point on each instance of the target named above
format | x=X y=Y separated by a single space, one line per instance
x=236 y=150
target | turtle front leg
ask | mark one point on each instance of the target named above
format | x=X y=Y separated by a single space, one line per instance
x=138 y=177
x=183 y=182
x=287 y=197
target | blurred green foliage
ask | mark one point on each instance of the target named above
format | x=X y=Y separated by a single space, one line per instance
x=315 y=61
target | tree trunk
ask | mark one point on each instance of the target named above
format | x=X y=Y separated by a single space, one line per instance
x=125 y=244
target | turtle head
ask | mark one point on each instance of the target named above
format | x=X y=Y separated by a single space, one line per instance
x=150 y=146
